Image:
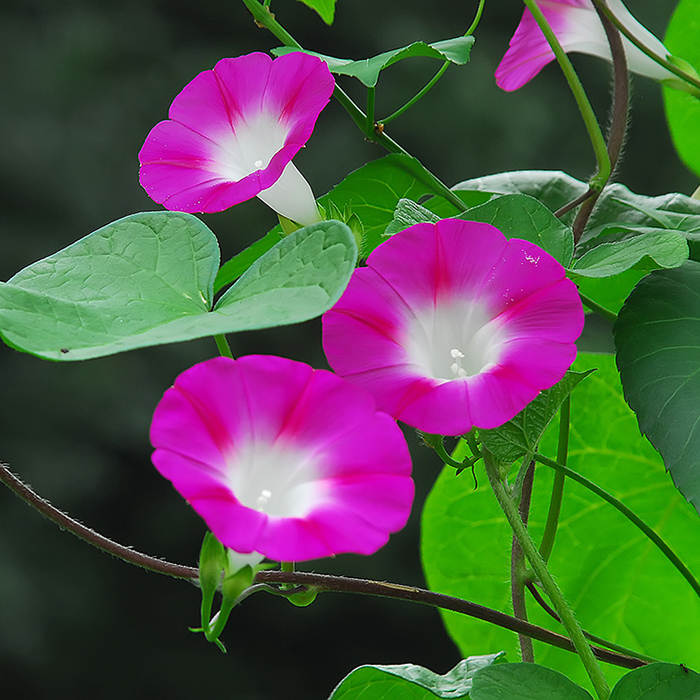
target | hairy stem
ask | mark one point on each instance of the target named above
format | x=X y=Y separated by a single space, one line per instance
x=530 y=550
x=518 y=567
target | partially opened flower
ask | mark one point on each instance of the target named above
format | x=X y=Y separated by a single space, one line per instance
x=579 y=29
x=232 y=134
x=451 y=326
x=283 y=460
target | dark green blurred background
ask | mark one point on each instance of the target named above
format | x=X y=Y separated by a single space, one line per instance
x=81 y=84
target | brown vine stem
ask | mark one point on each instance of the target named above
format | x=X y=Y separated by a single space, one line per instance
x=320 y=582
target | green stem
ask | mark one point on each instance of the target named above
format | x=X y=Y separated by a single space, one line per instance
x=662 y=61
x=419 y=95
x=595 y=134
x=629 y=514
x=530 y=550
x=371 y=95
x=550 y=528
x=264 y=18
x=223 y=346
x=597 y=308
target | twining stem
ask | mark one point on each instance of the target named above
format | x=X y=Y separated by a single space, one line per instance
x=518 y=568
x=530 y=550
x=661 y=60
x=595 y=134
x=264 y=18
x=432 y=82
x=318 y=581
x=629 y=514
x=619 y=116
x=550 y=528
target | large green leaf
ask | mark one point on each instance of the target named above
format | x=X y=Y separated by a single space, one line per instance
x=658 y=344
x=682 y=109
x=620 y=586
x=374 y=190
x=408 y=681
x=367 y=71
x=525 y=682
x=658 y=682
x=325 y=8
x=147 y=280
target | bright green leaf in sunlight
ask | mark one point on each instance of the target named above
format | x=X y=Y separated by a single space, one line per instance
x=325 y=8
x=619 y=584
x=367 y=71
x=658 y=682
x=410 y=682
x=657 y=336
x=683 y=109
x=147 y=279
x=525 y=682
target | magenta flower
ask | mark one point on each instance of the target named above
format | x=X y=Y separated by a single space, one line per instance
x=283 y=460
x=451 y=326
x=232 y=134
x=579 y=29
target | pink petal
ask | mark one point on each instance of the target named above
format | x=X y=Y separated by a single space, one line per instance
x=229 y=430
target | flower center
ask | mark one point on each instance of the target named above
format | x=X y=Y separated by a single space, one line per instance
x=454 y=340
x=279 y=480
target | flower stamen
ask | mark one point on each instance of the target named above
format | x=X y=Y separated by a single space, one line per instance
x=456 y=367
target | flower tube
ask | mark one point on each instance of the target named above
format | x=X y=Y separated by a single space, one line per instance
x=232 y=134
x=579 y=29
x=451 y=326
x=283 y=460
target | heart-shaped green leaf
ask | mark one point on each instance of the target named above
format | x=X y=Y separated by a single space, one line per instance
x=147 y=280
x=325 y=8
x=657 y=336
x=658 y=682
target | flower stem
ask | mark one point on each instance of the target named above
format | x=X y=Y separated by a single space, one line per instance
x=550 y=528
x=530 y=550
x=595 y=134
x=629 y=514
x=223 y=346
x=518 y=569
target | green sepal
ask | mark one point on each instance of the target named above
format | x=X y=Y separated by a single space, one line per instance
x=212 y=559
x=301 y=600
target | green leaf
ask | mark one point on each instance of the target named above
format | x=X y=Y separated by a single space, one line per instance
x=325 y=8
x=658 y=344
x=147 y=280
x=648 y=249
x=407 y=214
x=374 y=190
x=658 y=682
x=367 y=71
x=683 y=109
x=520 y=436
x=408 y=681
x=522 y=216
x=525 y=682
x=618 y=583
x=610 y=292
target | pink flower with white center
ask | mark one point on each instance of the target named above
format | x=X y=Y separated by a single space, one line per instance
x=451 y=326
x=281 y=459
x=579 y=29
x=232 y=134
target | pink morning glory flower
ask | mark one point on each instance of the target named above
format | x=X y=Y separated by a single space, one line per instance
x=451 y=326
x=232 y=134
x=579 y=29
x=283 y=460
